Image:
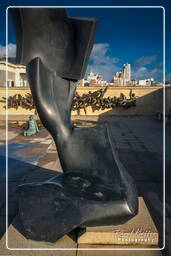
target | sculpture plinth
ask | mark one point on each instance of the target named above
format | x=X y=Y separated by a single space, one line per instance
x=95 y=188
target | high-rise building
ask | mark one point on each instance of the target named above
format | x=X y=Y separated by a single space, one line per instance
x=127 y=72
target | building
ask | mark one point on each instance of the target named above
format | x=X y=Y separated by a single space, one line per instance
x=81 y=82
x=146 y=82
x=93 y=80
x=122 y=78
x=127 y=72
x=16 y=75
x=134 y=82
x=118 y=79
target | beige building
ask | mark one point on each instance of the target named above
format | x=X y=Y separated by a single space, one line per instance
x=118 y=79
x=16 y=75
x=93 y=80
x=122 y=78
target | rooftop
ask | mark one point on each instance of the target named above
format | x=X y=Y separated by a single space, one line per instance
x=139 y=141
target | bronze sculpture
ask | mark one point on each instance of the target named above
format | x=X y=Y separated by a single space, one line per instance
x=95 y=188
x=32 y=127
x=95 y=100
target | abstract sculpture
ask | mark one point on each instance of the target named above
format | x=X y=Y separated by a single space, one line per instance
x=95 y=100
x=95 y=189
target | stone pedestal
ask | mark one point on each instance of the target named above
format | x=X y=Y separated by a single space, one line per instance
x=17 y=240
x=140 y=230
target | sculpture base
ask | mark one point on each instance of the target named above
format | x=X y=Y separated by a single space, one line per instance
x=140 y=230
x=17 y=240
x=102 y=237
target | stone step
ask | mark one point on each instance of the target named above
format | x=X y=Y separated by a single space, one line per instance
x=20 y=246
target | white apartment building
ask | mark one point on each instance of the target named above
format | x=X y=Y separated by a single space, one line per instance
x=146 y=82
x=16 y=75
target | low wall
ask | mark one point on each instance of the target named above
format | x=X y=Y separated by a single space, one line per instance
x=149 y=101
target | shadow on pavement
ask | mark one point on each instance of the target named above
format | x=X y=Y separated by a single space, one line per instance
x=18 y=172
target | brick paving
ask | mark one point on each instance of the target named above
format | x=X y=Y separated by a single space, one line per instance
x=139 y=141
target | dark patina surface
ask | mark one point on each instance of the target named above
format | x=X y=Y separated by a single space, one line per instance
x=95 y=188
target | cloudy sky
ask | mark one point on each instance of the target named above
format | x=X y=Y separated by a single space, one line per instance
x=124 y=35
x=150 y=66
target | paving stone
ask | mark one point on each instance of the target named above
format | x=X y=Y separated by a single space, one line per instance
x=2 y=226
x=168 y=245
x=5 y=252
x=168 y=208
x=155 y=201
x=168 y=226
x=109 y=252
x=145 y=187
x=168 y=190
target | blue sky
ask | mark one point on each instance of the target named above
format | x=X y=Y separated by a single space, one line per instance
x=124 y=35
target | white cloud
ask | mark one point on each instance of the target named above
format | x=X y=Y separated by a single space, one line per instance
x=11 y=50
x=99 y=54
x=141 y=70
x=144 y=73
x=143 y=61
x=101 y=62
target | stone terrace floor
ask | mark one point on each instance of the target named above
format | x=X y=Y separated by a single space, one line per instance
x=139 y=141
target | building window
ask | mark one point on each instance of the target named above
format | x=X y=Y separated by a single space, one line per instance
x=10 y=83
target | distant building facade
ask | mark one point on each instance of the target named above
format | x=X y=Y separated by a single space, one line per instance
x=93 y=80
x=122 y=78
x=118 y=79
x=16 y=76
x=146 y=82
